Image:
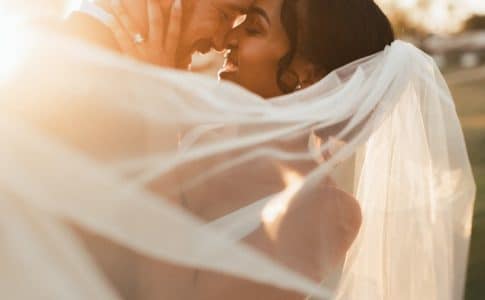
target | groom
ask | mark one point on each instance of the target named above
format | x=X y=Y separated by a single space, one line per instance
x=204 y=26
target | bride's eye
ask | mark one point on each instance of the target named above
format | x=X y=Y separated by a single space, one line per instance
x=252 y=31
x=252 y=27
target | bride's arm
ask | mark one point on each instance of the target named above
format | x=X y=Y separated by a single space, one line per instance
x=311 y=237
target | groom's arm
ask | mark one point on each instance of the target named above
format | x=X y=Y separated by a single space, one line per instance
x=89 y=29
x=82 y=26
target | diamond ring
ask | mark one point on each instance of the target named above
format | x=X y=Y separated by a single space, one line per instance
x=138 y=38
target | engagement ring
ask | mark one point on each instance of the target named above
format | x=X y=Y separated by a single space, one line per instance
x=138 y=39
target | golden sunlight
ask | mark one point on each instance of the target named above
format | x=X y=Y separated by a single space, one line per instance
x=436 y=16
x=11 y=45
x=12 y=16
x=278 y=206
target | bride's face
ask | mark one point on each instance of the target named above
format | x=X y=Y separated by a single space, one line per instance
x=256 y=48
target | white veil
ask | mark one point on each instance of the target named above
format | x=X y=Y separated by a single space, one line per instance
x=125 y=181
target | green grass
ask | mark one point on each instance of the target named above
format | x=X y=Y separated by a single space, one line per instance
x=476 y=269
x=470 y=102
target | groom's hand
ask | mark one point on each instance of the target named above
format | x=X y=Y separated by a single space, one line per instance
x=160 y=45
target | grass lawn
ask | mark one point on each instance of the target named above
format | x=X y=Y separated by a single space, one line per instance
x=470 y=102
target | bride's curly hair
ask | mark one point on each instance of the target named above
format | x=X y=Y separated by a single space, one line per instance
x=330 y=34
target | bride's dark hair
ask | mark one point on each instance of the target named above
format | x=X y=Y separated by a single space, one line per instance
x=330 y=34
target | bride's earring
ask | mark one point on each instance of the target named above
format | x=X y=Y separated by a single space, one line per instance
x=289 y=81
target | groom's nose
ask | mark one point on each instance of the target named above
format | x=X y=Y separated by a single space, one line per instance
x=231 y=39
x=218 y=42
x=230 y=43
x=219 y=39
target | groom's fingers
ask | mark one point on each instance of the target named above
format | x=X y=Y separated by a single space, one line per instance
x=174 y=29
x=155 y=20
x=124 y=18
x=123 y=38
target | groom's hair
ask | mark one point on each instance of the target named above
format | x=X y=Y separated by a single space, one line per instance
x=333 y=33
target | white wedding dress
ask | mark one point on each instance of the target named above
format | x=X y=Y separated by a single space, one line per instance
x=94 y=139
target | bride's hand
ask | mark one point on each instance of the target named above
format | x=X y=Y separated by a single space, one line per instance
x=160 y=46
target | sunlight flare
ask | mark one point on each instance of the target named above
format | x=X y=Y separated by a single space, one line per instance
x=12 y=46
x=279 y=205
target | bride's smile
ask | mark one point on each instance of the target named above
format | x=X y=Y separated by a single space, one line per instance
x=230 y=66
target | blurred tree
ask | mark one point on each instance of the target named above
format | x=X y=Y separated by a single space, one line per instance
x=476 y=22
x=403 y=26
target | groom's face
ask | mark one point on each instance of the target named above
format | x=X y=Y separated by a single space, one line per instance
x=206 y=24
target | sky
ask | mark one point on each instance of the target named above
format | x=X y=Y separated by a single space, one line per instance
x=439 y=16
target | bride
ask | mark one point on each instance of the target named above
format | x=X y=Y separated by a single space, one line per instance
x=351 y=181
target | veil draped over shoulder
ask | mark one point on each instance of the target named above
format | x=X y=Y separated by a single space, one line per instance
x=120 y=180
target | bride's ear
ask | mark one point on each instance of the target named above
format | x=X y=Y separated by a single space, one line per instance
x=307 y=72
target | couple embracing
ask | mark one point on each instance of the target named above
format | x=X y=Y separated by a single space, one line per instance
x=327 y=160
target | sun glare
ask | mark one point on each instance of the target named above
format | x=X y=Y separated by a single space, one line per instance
x=407 y=3
x=279 y=205
x=435 y=16
x=11 y=45
x=12 y=39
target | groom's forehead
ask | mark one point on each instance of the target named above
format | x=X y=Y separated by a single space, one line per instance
x=237 y=5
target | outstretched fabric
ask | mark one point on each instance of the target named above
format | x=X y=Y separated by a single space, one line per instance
x=120 y=180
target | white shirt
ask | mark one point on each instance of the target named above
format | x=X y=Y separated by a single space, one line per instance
x=96 y=12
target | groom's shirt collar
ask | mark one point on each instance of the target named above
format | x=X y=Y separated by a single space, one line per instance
x=96 y=12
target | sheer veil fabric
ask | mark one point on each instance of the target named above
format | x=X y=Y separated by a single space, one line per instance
x=112 y=172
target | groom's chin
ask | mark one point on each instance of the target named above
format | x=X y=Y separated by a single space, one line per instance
x=228 y=76
x=184 y=63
